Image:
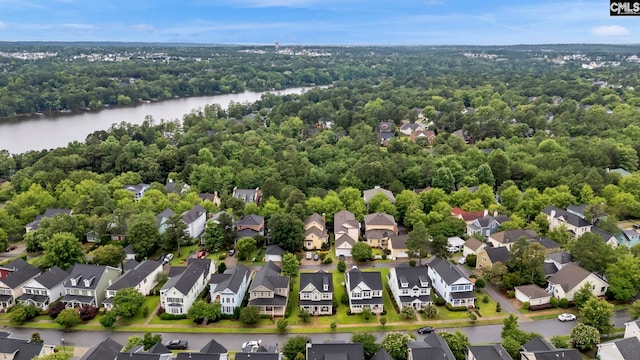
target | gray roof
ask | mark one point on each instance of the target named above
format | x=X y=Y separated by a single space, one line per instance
x=628 y=347
x=380 y=219
x=21 y=273
x=166 y=213
x=130 y=264
x=382 y=354
x=448 y=272
x=231 y=279
x=486 y=221
x=606 y=236
x=250 y=220
x=134 y=277
x=369 y=194
x=413 y=276
x=51 y=277
x=570 y=276
x=129 y=250
x=107 y=349
x=434 y=340
x=82 y=272
x=546 y=243
x=315 y=217
x=246 y=195
x=537 y=344
x=498 y=254
x=137 y=356
x=257 y=356
x=399 y=241
x=214 y=347
x=83 y=299
x=561 y=257
x=577 y=209
x=489 y=352
x=246 y=233
x=159 y=348
x=533 y=291
x=335 y=351
x=23 y=349
x=510 y=236
x=318 y=280
x=274 y=249
x=269 y=277
x=48 y=213
x=373 y=279
x=192 y=215
x=135 y=188
x=185 y=281
x=341 y=217
x=570 y=218
x=558 y=354
x=196 y=356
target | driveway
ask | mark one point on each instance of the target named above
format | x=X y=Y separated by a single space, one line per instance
x=20 y=249
x=495 y=294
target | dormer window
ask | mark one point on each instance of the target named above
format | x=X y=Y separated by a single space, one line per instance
x=404 y=284
x=87 y=282
x=74 y=281
x=325 y=287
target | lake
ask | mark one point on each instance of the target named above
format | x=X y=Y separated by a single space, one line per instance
x=57 y=130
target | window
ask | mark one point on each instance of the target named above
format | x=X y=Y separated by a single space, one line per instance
x=602 y=290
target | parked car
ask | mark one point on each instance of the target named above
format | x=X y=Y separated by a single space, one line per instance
x=309 y=255
x=177 y=344
x=425 y=330
x=341 y=257
x=232 y=252
x=636 y=226
x=167 y=259
x=566 y=317
x=452 y=249
x=249 y=345
x=11 y=248
x=316 y=257
x=202 y=253
x=462 y=260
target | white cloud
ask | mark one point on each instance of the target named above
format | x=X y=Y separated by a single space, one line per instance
x=2 y=25
x=610 y=30
x=142 y=27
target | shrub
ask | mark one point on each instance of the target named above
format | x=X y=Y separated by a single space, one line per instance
x=439 y=301
x=145 y=311
x=561 y=341
x=563 y=303
x=408 y=312
x=222 y=257
x=383 y=321
x=250 y=315
x=485 y=299
x=525 y=305
x=384 y=256
x=455 y=308
x=322 y=256
x=55 y=309
x=498 y=307
x=327 y=260
x=554 y=302
x=108 y=319
x=480 y=284
x=344 y=299
x=472 y=317
x=431 y=311
x=412 y=263
x=333 y=325
x=222 y=267
x=511 y=294
x=342 y=267
x=473 y=276
x=167 y=316
x=282 y=325
x=160 y=311
x=299 y=256
x=366 y=313
x=325 y=246
x=88 y=312
x=305 y=316
x=471 y=260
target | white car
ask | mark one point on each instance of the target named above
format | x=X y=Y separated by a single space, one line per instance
x=168 y=258
x=309 y=256
x=249 y=345
x=462 y=260
x=452 y=249
x=566 y=317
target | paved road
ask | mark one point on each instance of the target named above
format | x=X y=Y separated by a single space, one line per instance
x=477 y=334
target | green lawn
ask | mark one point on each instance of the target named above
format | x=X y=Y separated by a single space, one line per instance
x=150 y=302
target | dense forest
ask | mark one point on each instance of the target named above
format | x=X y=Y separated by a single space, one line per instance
x=534 y=126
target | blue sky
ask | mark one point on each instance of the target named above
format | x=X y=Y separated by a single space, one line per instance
x=322 y=22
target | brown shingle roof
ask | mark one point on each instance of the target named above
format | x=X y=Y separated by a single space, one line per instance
x=510 y=236
x=569 y=276
x=379 y=219
x=533 y=291
x=473 y=243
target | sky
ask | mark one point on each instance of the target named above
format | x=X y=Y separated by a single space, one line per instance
x=318 y=22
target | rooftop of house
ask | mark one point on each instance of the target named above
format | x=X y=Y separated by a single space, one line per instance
x=193 y=214
x=373 y=279
x=186 y=279
x=447 y=271
x=107 y=349
x=498 y=254
x=379 y=219
x=315 y=218
x=250 y=220
x=489 y=352
x=399 y=241
x=48 y=213
x=231 y=279
x=318 y=280
x=335 y=351
x=533 y=291
x=568 y=217
x=473 y=243
x=85 y=276
x=274 y=249
x=409 y=276
x=269 y=277
x=369 y=194
x=510 y=236
x=569 y=276
x=467 y=215
x=51 y=277
x=136 y=276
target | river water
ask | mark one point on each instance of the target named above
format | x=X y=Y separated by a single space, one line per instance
x=56 y=130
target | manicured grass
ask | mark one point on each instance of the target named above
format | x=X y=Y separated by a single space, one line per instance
x=486 y=309
x=179 y=259
x=150 y=302
x=156 y=320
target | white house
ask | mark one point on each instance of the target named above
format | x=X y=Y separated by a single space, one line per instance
x=533 y=294
x=183 y=288
x=450 y=283
x=195 y=219
x=486 y=225
x=364 y=290
x=473 y=246
x=571 y=278
x=18 y=273
x=229 y=288
x=137 y=190
x=274 y=253
x=575 y=224
x=632 y=328
x=410 y=286
x=621 y=349
x=142 y=278
x=347 y=232
x=316 y=293
x=44 y=288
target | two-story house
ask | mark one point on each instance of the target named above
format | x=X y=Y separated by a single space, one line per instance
x=19 y=349
x=540 y=349
x=334 y=350
x=410 y=286
x=423 y=137
x=184 y=285
x=347 y=232
x=621 y=349
x=378 y=229
x=450 y=283
x=228 y=289
x=409 y=128
x=19 y=273
x=486 y=225
x=575 y=224
x=571 y=278
x=473 y=246
x=44 y=288
x=385 y=132
x=398 y=247
x=87 y=283
x=162 y=219
x=432 y=347
x=247 y=195
x=468 y=216
x=315 y=232
x=269 y=290
x=487 y=352
x=492 y=256
x=213 y=197
x=508 y=237
x=628 y=238
x=316 y=293
x=364 y=290
x=142 y=278
x=137 y=190
x=195 y=219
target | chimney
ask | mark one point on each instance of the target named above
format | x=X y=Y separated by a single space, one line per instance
x=324 y=217
x=495 y=213
x=486 y=212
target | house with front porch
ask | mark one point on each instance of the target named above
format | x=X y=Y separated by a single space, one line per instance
x=185 y=284
x=269 y=290
x=571 y=278
x=251 y=222
x=509 y=237
x=410 y=286
x=347 y=232
x=364 y=290
x=316 y=293
x=378 y=229
x=19 y=272
x=228 y=289
x=87 y=283
x=575 y=224
x=142 y=278
x=44 y=288
x=450 y=283
x=486 y=225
